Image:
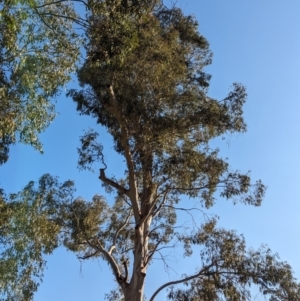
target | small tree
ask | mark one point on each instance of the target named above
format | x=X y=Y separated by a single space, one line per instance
x=144 y=81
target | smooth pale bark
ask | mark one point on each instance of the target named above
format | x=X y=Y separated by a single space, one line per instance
x=135 y=289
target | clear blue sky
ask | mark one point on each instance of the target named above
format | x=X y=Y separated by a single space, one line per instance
x=254 y=42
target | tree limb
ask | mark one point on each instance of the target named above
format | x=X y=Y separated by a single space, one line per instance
x=51 y=28
x=133 y=191
x=77 y=20
x=153 y=251
x=60 y=1
x=156 y=212
x=89 y=255
x=109 y=258
x=113 y=246
x=104 y=179
x=125 y=264
x=180 y=281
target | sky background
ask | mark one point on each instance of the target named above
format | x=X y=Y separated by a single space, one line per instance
x=256 y=43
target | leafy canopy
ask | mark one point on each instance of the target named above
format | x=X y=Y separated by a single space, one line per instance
x=38 y=53
x=26 y=234
x=144 y=81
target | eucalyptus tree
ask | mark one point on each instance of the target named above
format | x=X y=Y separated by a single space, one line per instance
x=39 y=49
x=144 y=81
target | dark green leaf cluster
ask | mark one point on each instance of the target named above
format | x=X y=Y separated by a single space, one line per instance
x=90 y=150
x=81 y=222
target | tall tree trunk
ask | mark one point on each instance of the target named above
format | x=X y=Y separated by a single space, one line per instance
x=135 y=289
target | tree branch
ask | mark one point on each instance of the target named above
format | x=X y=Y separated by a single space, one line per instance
x=180 y=281
x=156 y=212
x=133 y=191
x=78 y=20
x=113 y=246
x=104 y=179
x=96 y=245
x=89 y=255
x=125 y=263
x=153 y=251
x=60 y=1
x=51 y=28
x=109 y=258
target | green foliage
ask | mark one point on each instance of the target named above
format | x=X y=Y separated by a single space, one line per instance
x=37 y=220
x=90 y=150
x=26 y=233
x=161 y=93
x=144 y=80
x=38 y=53
x=34 y=222
x=229 y=271
x=42 y=217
